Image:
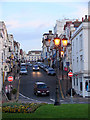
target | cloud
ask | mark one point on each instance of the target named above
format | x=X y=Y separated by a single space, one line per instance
x=12 y=24
x=35 y=24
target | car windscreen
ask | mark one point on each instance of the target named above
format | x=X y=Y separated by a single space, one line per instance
x=35 y=66
x=41 y=86
x=23 y=69
x=51 y=70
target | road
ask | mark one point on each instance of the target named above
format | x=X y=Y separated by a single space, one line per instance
x=27 y=85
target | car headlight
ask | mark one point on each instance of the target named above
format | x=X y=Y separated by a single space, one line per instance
x=47 y=90
x=33 y=68
x=38 y=91
x=38 y=68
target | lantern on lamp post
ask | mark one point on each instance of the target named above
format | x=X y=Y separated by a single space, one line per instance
x=64 y=41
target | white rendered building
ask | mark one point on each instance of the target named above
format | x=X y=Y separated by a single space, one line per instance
x=34 y=55
x=80 y=60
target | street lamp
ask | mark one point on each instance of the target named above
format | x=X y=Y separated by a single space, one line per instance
x=57 y=43
x=64 y=41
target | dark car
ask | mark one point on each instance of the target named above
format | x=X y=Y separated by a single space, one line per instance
x=40 y=88
x=35 y=67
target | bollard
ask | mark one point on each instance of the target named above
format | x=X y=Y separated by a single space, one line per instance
x=71 y=97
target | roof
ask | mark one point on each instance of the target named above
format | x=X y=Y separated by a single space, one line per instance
x=36 y=52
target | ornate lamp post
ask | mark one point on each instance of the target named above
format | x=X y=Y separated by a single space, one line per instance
x=57 y=43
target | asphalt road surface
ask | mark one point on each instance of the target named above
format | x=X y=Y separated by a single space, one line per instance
x=27 y=85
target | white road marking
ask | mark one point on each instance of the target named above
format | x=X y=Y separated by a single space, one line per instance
x=52 y=100
x=33 y=99
x=25 y=96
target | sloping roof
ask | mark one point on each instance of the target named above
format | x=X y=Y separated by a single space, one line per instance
x=34 y=51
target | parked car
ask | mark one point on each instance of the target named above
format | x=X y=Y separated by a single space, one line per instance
x=23 y=71
x=40 y=88
x=30 y=64
x=51 y=71
x=46 y=68
x=23 y=65
x=41 y=65
x=35 y=67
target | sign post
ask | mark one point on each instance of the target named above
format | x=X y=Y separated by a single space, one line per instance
x=70 y=74
x=10 y=79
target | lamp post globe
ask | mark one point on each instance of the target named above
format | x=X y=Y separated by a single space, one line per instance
x=64 y=41
x=56 y=42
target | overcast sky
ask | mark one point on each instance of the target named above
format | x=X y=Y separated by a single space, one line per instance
x=27 y=21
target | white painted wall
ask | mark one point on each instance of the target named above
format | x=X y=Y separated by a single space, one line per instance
x=80 y=50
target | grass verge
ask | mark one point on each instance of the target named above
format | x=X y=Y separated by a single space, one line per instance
x=51 y=111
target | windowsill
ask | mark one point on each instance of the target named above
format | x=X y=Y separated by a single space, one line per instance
x=80 y=50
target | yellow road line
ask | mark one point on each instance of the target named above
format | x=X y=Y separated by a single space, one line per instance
x=61 y=90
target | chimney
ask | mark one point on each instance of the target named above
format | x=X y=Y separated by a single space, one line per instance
x=88 y=18
x=50 y=32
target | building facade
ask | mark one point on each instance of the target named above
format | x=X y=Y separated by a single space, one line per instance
x=80 y=60
x=34 y=56
x=7 y=52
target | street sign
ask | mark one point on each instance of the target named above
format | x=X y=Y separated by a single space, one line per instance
x=10 y=78
x=67 y=63
x=5 y=68
x=66 y=69
x=70 y=74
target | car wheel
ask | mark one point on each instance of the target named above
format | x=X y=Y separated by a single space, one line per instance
x=36 y=94
x=48 y=94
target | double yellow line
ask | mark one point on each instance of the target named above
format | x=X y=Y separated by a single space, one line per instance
x=61 y=90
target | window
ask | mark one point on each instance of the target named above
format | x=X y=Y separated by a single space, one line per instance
x=77 y=59
x=76 y=45
x=89 y=86
x=77 y=81
x=74 y=81
x=86 y=85
x=80 y=38
x=81 y=86
x=73 y=47
x=81 y=62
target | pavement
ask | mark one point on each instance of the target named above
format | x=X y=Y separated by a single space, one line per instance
x=15 y=84
x=22 y=99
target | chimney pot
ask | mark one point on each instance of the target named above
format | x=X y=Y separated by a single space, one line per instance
x=50 y=31
x=82 y=19
x=85 y=16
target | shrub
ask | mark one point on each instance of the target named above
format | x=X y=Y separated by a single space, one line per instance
x=14 y=91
